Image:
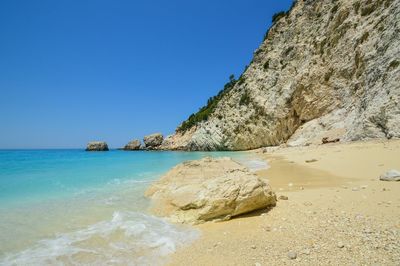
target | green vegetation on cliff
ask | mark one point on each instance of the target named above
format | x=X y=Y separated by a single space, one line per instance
x=204 y=113
x=282 y=14
x=208 y=109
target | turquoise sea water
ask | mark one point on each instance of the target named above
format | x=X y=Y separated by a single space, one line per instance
x=73 y=207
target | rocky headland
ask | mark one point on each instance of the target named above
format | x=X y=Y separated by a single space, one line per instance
x=326 y=69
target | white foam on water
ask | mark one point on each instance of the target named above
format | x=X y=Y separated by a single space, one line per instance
x=129 y=238
x=255 y=164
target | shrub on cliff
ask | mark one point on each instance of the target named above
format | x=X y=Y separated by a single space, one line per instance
x=277 y=16
x=205 y=112
x=245 y=99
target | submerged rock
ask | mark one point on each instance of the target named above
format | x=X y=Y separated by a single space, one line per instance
x=209 y=189
x=97 y=146
x=132 y=145
x=153 y=141
x=392 y=175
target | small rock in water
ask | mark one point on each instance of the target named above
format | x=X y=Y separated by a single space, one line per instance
x=292 y=255
x=97 y=146
x=392 y=175
x=282 y=197
x=253 y=247
x=340 y=245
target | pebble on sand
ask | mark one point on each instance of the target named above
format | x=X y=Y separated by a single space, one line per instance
x=340 y=245
x=306 y=252
x=391 y=175
x=282 y=197
x=292 y=255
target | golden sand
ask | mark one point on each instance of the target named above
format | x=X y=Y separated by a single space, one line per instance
x=338 y=212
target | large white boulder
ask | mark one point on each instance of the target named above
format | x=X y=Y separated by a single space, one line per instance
x=209 y=189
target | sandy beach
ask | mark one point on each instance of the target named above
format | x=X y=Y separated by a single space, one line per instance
x=338 y=212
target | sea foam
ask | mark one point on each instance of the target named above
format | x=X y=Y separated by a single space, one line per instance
x=254 y=164
x=129 y=238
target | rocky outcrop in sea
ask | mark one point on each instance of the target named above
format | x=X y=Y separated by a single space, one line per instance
x=97 y=146
x=132 y=145
x=153 y=141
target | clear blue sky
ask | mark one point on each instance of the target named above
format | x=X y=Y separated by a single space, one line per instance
x=72 y=71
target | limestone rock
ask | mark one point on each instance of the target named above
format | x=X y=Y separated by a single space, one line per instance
x=209 y=189
x=153 y=141
x=97 y=146
x=327 y=69
x=132 y=145
x=392 y=175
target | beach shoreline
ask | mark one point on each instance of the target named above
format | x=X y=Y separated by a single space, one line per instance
x=338 y=211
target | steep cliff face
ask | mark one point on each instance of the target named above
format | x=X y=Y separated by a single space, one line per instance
x=326 y=68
